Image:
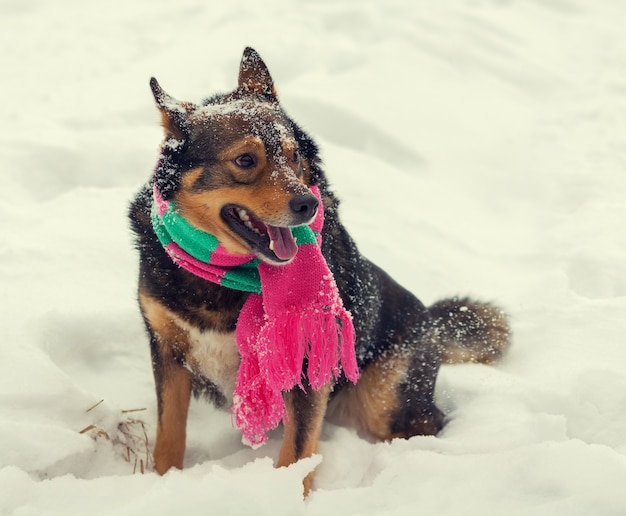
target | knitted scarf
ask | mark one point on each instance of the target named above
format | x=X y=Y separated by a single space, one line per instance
x=292 y=318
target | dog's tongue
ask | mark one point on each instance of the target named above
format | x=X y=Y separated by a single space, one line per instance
x=283 y=244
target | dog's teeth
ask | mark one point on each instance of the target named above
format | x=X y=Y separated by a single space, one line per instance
x=249 y=225
x=243 y=214
x=271 y=245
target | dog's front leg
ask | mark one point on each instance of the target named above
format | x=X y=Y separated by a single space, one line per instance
x=305 y=415
x=168 y=343
x=173 y=397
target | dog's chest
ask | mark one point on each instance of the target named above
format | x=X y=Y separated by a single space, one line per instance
x=215 y=356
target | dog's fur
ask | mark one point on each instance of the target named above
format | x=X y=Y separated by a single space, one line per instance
x=241 y=149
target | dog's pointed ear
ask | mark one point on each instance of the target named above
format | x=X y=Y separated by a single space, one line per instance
x=173 y=112
x=254 y=77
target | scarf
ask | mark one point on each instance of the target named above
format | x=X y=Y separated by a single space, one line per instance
x=293 y=317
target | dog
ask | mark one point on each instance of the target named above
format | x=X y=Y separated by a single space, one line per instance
x=235 y=164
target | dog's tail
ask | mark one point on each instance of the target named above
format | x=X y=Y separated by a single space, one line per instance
x=470 y=331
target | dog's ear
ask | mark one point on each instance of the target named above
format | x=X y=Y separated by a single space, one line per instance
x=173 y=112
x=254 y=77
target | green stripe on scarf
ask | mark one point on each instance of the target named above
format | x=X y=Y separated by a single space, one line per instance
x=243 y=277
x=174 y=228
x=304 y=235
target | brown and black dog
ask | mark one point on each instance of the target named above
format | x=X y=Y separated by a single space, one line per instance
x=241 y=149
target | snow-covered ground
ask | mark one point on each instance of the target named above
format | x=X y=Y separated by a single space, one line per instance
x=479 y=147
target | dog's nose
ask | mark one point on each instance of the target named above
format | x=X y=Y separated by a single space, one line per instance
x=304 y=206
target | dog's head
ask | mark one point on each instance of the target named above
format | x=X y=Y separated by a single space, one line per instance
x=237 y=166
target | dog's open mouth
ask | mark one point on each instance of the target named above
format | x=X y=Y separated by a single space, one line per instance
x=274 y=243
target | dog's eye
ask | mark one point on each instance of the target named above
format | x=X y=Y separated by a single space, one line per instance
x=296 y=156
x=245 y=161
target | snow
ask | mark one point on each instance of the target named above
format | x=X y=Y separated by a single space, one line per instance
x=478 y=147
